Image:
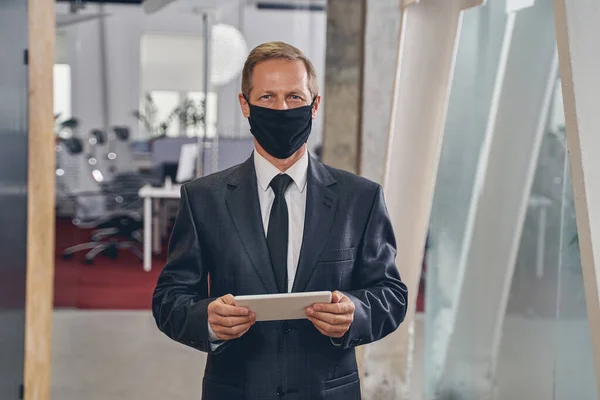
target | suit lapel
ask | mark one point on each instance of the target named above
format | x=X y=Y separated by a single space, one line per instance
x=321 y=206
x=244 y=208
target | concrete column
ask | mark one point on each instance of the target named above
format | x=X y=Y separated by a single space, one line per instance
x=424 y=67
x=381 y=54
x=517 y=120
x=577 y=28
x=343 y=97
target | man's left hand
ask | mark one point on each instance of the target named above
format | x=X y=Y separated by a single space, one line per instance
x=333 y=319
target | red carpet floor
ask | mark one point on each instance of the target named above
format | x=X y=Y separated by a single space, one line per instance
x=106 y=284
x=119 y=284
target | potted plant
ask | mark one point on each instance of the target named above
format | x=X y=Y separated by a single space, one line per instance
x=189 y=114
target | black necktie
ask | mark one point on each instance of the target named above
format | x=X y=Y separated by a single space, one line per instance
x=277 y=232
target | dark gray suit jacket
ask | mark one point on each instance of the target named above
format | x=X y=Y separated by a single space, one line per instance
x=348 y=245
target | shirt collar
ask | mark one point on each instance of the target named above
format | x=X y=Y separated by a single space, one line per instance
x=265 y=171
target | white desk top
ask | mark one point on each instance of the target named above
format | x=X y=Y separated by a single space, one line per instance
x=163 y=192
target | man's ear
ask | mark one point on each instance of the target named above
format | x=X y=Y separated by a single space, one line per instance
x=244 y=105
x=315 y=108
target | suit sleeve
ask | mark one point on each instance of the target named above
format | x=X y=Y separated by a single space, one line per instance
x=381 y=297
x=180 y=301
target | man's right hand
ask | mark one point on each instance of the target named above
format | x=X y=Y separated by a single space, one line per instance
x=228 y=321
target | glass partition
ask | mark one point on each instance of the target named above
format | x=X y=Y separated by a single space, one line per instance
x=526 y=357
x=477 y=60
x=139 y=85
x=543 y=346
x=13 y=194
x=545 y=350
x=574 y=373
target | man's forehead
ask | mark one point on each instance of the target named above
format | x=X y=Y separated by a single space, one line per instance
x=276 y=79
x=282 y=69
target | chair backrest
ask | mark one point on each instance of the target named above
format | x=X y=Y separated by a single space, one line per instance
x=74 y=177
x=230 y=152
x=121 y=193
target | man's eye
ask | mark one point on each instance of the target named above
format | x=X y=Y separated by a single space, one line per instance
x=295 y=97
x=266 y=97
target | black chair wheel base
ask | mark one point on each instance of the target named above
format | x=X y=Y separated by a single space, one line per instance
x=111 y=252
x=89 y=261
x=67 y=256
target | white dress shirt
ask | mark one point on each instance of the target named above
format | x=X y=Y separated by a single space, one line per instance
x=295 y=197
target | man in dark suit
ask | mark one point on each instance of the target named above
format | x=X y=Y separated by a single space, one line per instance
x=280 y=222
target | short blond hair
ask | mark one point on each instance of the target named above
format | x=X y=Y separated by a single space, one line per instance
x=273 y=51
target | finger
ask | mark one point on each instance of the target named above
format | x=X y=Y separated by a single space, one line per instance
x=224 y=325
x=332 y=319
x=335 y=331
x=217 y=319
x=234 y=331
x=325 y=317
x=231 y=337
x=229 y=321
x=228 y=299
x=227 y=310
x=337 y=296
x=220 y=307
x=336 y=308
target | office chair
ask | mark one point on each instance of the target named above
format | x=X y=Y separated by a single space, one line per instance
x=120 y=223
x=117 y=230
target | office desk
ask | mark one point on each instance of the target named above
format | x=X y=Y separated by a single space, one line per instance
x=152 y=237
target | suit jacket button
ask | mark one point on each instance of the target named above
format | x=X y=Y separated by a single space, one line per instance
x=280 y=392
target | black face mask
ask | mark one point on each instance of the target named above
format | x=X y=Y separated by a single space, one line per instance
x=281 y=132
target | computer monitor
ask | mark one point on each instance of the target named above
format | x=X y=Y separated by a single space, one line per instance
x=186 y=170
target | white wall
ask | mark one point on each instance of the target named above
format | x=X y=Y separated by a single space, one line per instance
x=179 y=70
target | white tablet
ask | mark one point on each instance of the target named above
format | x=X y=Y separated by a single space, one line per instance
x=282 y=306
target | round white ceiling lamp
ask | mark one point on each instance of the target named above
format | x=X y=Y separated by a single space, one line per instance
x=228 y=54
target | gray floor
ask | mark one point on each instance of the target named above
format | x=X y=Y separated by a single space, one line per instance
x=101 y=355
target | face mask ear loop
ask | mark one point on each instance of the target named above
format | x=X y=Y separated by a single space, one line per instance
x=312 y=105
x=245 y=98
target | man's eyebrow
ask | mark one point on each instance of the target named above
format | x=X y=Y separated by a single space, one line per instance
x=297 y=91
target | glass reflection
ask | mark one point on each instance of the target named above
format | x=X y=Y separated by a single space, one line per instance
x=544 y=347
x=477 y=61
